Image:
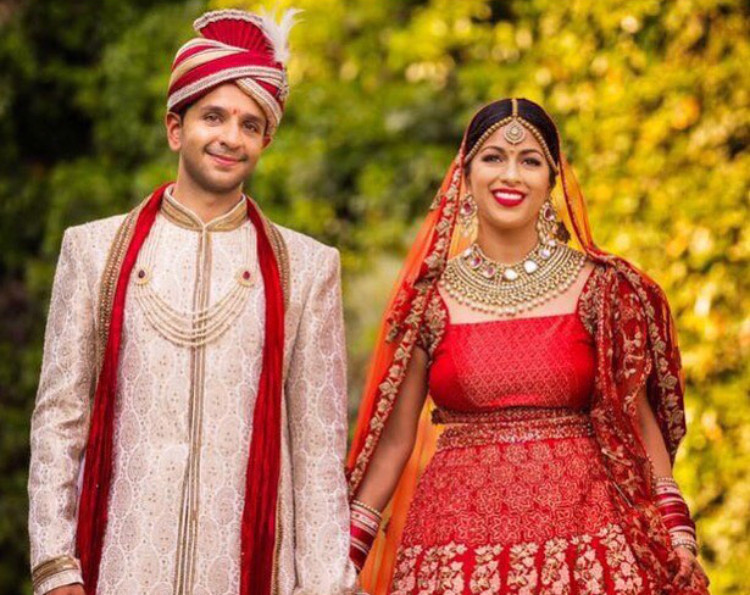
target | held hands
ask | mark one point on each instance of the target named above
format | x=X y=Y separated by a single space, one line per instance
x=689 y=566
x=75 y=589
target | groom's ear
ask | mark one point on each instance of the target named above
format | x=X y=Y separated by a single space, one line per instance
x=173 y=122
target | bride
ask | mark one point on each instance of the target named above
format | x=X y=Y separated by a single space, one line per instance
x=552 y=375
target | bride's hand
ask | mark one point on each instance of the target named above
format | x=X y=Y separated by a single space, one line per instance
x=689 y=565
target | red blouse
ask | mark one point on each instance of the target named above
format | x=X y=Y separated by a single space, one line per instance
x=543 y=361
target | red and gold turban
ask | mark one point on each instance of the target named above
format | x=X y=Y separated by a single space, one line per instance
x=235 y=46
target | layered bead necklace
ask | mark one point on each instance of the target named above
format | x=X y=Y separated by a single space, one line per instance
x=476 y=281
x=191 y=328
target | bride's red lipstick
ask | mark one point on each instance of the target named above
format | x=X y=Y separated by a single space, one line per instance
x=507 y=197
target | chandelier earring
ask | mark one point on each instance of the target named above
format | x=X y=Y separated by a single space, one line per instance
x=550 y=228
x=546 y=224
x=468 y=215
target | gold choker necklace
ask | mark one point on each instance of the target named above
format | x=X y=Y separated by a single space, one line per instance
x=486 y=286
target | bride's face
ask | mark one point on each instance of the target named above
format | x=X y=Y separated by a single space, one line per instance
x=509 y=182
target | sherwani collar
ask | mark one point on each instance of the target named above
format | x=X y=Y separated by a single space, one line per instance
x=177 y=213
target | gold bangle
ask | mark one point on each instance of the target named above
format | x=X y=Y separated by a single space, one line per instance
x=362 y=505
x=49 y=568
x=666 y=481
x=684 y=539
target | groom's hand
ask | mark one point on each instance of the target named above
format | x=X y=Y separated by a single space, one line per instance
x=76 y=589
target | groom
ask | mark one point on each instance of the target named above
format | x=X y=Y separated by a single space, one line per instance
x=190 y=424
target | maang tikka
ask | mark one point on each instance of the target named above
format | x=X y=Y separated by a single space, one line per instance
x=514 y=132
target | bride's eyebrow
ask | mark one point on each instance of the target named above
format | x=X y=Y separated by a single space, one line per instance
x=495 y=147
x=504 y=152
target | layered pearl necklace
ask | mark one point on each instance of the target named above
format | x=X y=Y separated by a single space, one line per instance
x=484 y=285
x=190 y=328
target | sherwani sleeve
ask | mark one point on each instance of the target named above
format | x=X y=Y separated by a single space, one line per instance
x=316 y=390
x=59 y=424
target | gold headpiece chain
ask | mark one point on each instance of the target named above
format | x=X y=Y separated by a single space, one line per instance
x=515 y=133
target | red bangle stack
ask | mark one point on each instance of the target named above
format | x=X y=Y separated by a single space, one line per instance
x=675 y=513
x=365 y=522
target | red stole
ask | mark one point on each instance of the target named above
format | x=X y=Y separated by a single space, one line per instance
x=258 y=538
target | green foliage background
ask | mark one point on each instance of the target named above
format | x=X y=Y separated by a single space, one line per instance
x=652 y=99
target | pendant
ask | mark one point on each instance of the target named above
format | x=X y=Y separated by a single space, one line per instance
x=510 y=275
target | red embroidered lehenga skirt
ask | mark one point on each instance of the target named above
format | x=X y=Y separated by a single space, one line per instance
x=516 y=499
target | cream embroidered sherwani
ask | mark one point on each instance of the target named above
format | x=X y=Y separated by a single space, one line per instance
x=184 y=412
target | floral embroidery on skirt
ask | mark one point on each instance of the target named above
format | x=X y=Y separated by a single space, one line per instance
x=513 y=518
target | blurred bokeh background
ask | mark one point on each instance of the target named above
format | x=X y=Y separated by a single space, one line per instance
x=652 y=99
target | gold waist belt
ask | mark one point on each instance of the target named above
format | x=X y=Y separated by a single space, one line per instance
x=509 y=426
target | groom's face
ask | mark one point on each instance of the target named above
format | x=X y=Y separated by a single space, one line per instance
x=219 y=139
